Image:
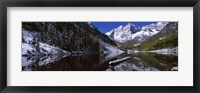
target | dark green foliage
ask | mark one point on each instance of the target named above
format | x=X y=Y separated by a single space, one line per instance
x=28 y=26
x=94 y=32
x=127 y=45
x=170 y=42
x=31 y=26
x=161 y=62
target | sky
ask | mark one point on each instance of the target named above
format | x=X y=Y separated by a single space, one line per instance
x=108 y=26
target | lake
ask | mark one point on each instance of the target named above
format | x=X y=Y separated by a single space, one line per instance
x=136 y=62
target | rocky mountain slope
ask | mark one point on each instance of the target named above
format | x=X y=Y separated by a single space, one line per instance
x=61 y=38
x=166 y=38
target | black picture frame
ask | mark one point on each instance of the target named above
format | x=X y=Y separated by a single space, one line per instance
x=101 y=3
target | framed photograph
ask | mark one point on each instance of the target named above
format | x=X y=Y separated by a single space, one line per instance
x=99 y=46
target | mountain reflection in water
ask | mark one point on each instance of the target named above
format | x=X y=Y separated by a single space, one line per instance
x=137 y=62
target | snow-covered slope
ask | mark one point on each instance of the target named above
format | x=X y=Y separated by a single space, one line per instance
x=28 y=36
x=130 y=31
x=41 y=49
x=31 y=45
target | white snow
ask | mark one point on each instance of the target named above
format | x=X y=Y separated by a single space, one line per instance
x=35 y=51
x=123 y=33
x=49 y=59
x=109 y=33
x=27 y=36
x=136 y=44
x=166 y=51
x=130 y=31
x=174 y=68
x=48 y=49
x=111 y=51
x=46 y=55
x=28 y=48
x=133 y=51
x=126 y=66
x=44 y=49
x=119 y=60
x=31 y=46
x=26 y=62
x=90 y=24
x=161 y=38
x=42 y=60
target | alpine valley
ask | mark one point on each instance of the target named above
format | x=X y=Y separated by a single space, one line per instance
x=80 y=46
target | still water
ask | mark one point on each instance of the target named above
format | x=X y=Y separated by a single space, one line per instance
x=136 y=62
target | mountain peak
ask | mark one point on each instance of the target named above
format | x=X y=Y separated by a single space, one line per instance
x=130 y=27
x=123 y=33
x=130 y=24
x=120 y=27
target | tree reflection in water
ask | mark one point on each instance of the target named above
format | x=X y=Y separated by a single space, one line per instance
x=95 y=62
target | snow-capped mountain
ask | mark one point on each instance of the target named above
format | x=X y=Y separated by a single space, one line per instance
x=123 y=33
x=130 y=31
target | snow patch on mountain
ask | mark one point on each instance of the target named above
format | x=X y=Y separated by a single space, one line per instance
x=28 y=36
x=175 y=68
x=136 y=44
x=42 y=49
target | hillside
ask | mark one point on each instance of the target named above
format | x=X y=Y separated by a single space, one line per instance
x=167 y=38
x=70 y=37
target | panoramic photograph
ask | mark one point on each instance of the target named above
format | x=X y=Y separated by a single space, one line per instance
x=100 y=46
